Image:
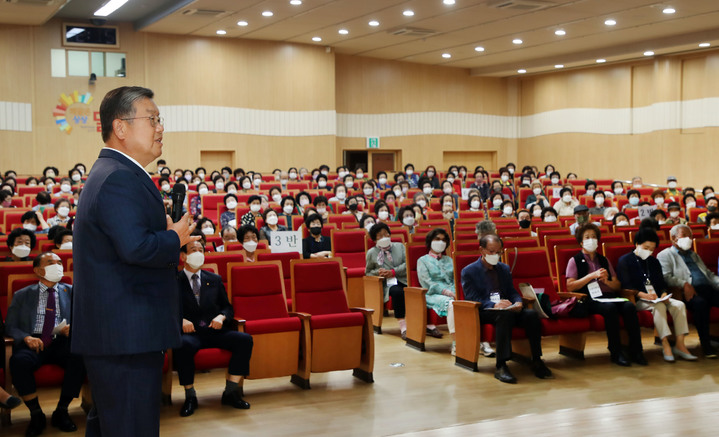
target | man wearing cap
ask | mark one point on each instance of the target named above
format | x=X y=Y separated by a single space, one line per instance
x=672 y=191
x=581 y=216
x=674 y=210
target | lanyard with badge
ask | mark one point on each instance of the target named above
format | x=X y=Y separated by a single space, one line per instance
x=647 y=282
x=594 y=290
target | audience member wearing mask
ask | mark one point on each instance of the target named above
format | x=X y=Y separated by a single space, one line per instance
x=206 y=227
x=255 y=204
x=249 y=236
x=321 y=206
x=315 y=245
x=600 y=203
x=228 y=217
x=63 y=239
x=435 y=272
x=366 y=222
x=674 y=209
x=228 y=235
x=567 y=202
x=271 y=219
x=549 y=215
x=411 y=176
x=581 y=217
x=62 y=216
x=430 y=174
x=21 y=242
x=33 y=221
x=406 y=215
x=712 y=204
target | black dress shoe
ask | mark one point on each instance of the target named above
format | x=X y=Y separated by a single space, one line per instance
x=710 y=352
x=541 y=370
x=62 y=421
x=620 y=360
x=234 y=399
x=434 y=332
x=189 y=407
x=640 y=359
x=37 y=425
x=503 y=374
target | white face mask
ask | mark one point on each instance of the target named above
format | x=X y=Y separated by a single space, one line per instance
x=622 y=223
x=567 y=198
x=232 y=190
x=30 y=227
x=492 y=260
x=659 y=200
x=550 y=219
x=409 y=172
x=537 y=212
x=504 y=178
x=66 y=246
x=233 y=223
x=383 y=215
x=63 y=211
x=277 y=198
x=684 y=243
x=322 y=183
x=367 y=191
x=599 y=201
x=368 y=226
x=555 y=181
x=232 y=204
x=398 y=193
x=404 y=190
x=427 y=190
x=257 y=182
x=219 y=185
x=65 y=188
x=450 y=180
x=287 y=209
x=590 y=192
x=422 y=203
x=618 y=190
x=637 y=185
x=674 y=214
x=642 y=253
x=507 y=210
x=76 y=177
x=474 y=204
x=384 y=242
x=360 y=175
x=438 y=246
x=208 y=231
x=246 y=185
x=382 y=181
x=272 y=220
x=321 y=210
x=255 y=208
x=21 y=251
x=293 y=175
x=250 y=246
x=50 y=174
x=203 y=191
x=53 y=273
x=448 y=205
x=672 y=184
x=447 y=190
x=714 y=227
x=536 y=191
x=201 y=175
x=407 y=221
x=166 y=188
x=324 y=172
x=341 y=195
x=304 y=202
x=691 y=204
x=526 y=182
x=590 y=245
x=497 y=202
x=510 y=170
x=195 y=260
x=342 y=174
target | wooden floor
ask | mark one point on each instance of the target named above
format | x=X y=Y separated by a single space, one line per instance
x=428 y=395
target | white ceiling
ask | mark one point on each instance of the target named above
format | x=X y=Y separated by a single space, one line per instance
x=459 y=28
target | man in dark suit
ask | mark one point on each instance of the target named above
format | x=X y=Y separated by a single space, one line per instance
x=38 y=321
x=126 y=252
x=489 y=282
x=206 y=319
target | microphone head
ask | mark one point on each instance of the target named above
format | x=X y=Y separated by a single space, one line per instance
x=179 y=189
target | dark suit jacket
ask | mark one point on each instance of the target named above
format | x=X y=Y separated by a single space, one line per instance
x=22 y=313
x=213 y=300
x=477 y=286
x=125 y=262
x=631 y=270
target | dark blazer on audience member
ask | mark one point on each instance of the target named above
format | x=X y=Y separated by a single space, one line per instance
x=213 y=299
x=631 y=270
x=475 y=284
x=22 y=314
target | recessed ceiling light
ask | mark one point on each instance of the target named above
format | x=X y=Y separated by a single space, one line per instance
x=109 y=8
x=446 y=55
x=374 y=23
x=479 y=49
x=408 y=13
x=610 y=22
x=601 y=61
x=559 y=66
x=242 y=23
x=649 y=53
x=560 y=32
x=295 y=2
x=448 y=2
x=705 y=44
x=521 y=71
x=221 y=32
x=316 y=39
x=669 y=10
x=343 y=31
x=267 y=13
x=517 y=41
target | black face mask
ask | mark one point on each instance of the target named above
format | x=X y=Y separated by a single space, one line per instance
x=315 y=230
x=524 y=224
x=352 y=207
x=711 y=208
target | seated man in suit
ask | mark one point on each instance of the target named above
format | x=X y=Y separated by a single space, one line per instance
x=489 y=282
x=206 y=318
x=33 y=319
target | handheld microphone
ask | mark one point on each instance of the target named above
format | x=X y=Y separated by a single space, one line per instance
x=178 y=196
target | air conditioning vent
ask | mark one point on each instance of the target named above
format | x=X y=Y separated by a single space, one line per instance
x=206 y=13
x=519 y=5
x=36 y=2
x=412 y=31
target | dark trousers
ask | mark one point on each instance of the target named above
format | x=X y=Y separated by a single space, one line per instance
x=127 y=392
x=505 y=321
x=611 y=311
x=25 y=361
x=700 y=306
x=396 y=292
x=239 y=343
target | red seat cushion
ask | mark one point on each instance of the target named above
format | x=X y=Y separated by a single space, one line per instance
x=269 y=326
x=434 y=319
x=212 y=358
x=49 y=375
x=340 y=320
x=714 y=315
x=565 y=326
x=646 y=319
x=355 y=272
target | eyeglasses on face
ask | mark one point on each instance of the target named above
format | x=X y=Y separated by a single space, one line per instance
x=154 y=120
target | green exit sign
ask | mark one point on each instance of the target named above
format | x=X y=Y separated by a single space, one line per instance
x=373 y=142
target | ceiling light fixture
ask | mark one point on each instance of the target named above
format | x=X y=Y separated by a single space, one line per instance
x=267 y=13
x=408 y=13
x=343 y=31
x=446 y=55
x=242 y=23
x=221 y=32
x=316 y=39
x=669 y=10
x=374 y=23
x=559 y=66
x=560 y=32
x=649 y=53
x=295 y=2
x=448 y=2
x=705 y=44
x=521 y=71
x=479 y=49
x=517 y=41
x=610 y=22
x=601 y=61
x=109 y=8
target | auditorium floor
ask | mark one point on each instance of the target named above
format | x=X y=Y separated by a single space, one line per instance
x=430 y=396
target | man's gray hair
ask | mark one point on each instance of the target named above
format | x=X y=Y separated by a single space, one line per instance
x=674 y=231
x=120 y=103
x=485 y=227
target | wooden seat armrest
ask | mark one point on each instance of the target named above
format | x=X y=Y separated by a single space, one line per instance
x=362 y=310
x=239 y=324
x=415 y=291
x=9 y=341
x=467 y=304
x=374 y=278
x=628 y=294
x=568 y=294
x=302 y=316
